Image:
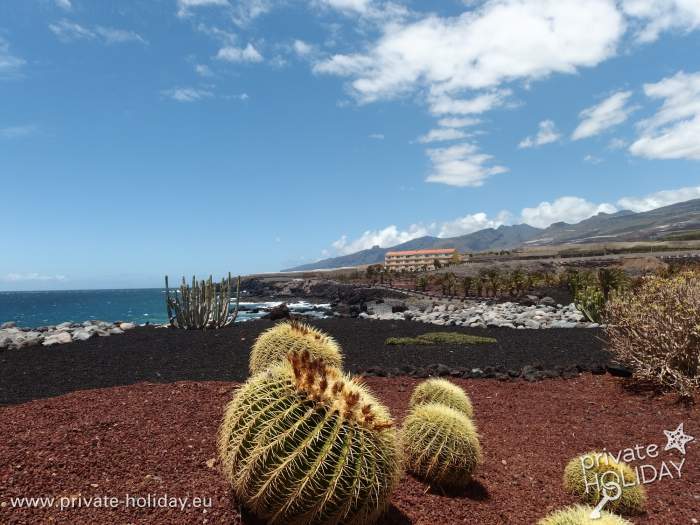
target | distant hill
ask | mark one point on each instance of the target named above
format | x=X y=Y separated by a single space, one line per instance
x=621 y=226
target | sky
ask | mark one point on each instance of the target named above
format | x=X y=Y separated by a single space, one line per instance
x=149 y=137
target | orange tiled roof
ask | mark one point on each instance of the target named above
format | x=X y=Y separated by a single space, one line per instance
x=422 y=252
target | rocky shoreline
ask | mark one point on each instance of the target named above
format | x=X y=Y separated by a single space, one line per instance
x=13 y=337
x=481 y=314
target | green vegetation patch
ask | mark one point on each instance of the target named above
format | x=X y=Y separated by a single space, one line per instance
x=440 y=338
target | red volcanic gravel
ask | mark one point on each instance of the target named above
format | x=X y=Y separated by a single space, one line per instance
x=160 y=439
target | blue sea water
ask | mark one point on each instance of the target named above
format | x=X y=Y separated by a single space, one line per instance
x=145 y=305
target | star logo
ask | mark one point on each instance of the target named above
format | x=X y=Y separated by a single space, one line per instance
x=677 y=439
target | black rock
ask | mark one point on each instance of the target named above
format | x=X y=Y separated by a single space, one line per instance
x=399 y=308
x=408 y=370
x=278 y=312
x=514 y=373
x=501 y=377
x=489 y=372
x=421 y=373
x=376 y=371
x=457 y=372
x=439 y=370
x=570 y=372
x=598 y=370
x=618 y=370
x=476 y=373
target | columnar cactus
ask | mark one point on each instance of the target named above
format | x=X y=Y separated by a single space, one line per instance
x=581 y=515
x=302 y=443
x=272 y=346
x=442 y=391
x=441 y=445
x=587 y=476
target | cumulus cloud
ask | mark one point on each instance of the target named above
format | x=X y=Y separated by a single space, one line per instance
x=659 y=199
x=501 y=40
x=472 y=223
x=64 y=4
x=358 y=6
x=458 y=122
x=674 y=131
x=239 y=54
x=567 y=209
x=656 y=16
x=441 y=135
x=302 y=49
x=447 y=105
x=68 y=31
x=610 y=112
x=461 y=165
x=203 y=70
x=388 y=236
x=546 y=134
x=187 y=94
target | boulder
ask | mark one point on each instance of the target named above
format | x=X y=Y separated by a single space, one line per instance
x=279 y=312
x=127 y=326
x=8 y=324
x=57 y=338
x=83 y=335
x=548 y=301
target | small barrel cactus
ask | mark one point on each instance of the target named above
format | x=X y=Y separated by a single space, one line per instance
x=442 y=391
x=275 y=343
x=441 y=445
x=581 y=515
x=301 y=443
x=587 y=476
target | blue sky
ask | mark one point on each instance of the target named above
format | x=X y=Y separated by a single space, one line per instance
x=139 y=138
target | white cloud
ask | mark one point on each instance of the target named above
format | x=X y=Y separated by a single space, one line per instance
x=203 y=70
x=443 y=104
x=500 y=41
x=376 y=136
x=389 y=236
x=461 y=165
x=68 y=31
x=674 y=131
x=656 y=16
x=15 y=132
x=609 y=113
x=187 y=94
x=617 y=143
x=567 y=209
x=442 y=134
x=546 y=134
x=32 y=276
x=456 y=122
x=592 y=159
x=358 y=6
x=8 y=62
x=302 y=48
x=185 y=6
x=472 y=223
x=239 y=54
x=659 y=199
x=64 y=4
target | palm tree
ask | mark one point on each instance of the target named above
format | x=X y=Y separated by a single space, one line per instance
x=467 y=283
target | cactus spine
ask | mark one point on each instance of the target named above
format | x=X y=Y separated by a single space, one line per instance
x=273 y=345
x=581 y=515
x=441 y=445
x=301 y=443
x=442 y=391
x=202 y=305
x=587 y=475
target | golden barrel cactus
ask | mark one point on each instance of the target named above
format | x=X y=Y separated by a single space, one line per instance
x=442 y=391
x=587 y=475
x=581 y=515
x=302 y=443
x=273 y=345
x=441 y=445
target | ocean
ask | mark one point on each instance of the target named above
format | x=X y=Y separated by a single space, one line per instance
x=140 y=306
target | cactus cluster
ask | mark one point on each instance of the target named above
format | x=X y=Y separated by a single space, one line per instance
x=302 y=443
x=442 y=391
x=273 y=345
x=441 y=445
x=586 y=476
x=581 y=515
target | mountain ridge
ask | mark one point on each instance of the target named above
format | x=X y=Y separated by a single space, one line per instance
x=624 y=225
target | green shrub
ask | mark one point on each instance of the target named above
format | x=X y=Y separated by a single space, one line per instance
x=301 y=443
x=581 y=515
x=441 y=445
x=442 y=391
x=655 y=329
x=586 y=476
x=440 y=338
x=273 y=345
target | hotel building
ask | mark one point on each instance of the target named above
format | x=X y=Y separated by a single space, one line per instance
x=413 y=260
